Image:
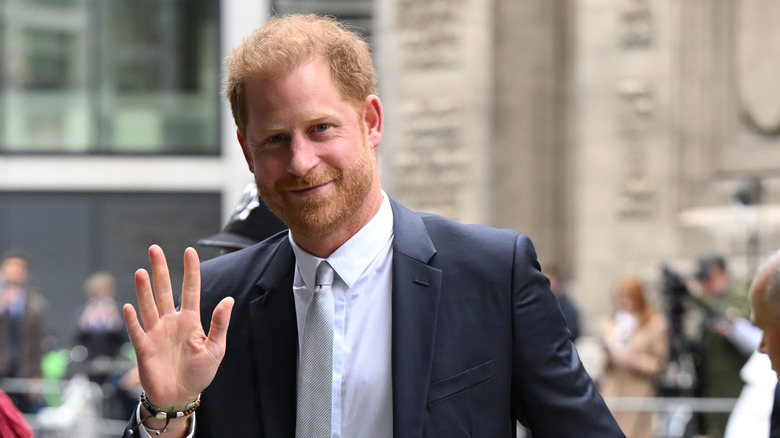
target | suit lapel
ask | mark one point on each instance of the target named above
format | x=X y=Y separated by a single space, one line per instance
x=416 y=290
x=415 y=295
x=275 y=343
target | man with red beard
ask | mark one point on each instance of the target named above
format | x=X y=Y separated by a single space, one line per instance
x=421 y=326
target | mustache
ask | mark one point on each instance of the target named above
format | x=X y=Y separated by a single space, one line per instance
x=310 y=180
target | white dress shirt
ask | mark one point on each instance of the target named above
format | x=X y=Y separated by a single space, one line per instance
x=362 y=401
x=362 y=394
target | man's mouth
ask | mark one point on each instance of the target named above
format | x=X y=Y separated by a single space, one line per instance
x=309 y=190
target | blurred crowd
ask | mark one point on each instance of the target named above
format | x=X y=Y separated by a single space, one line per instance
x=29 y=356
x=696 y=341
x=693 y=340
x=100 y=350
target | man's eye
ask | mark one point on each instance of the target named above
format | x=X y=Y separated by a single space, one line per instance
x=275 y=138
x=321 y=127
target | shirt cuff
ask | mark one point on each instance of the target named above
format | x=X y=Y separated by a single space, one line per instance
x=145 y=433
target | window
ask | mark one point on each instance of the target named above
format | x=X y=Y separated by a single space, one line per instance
x=356 y=14
x=119 y=76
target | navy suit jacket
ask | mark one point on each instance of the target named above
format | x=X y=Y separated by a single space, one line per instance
x=478 y=340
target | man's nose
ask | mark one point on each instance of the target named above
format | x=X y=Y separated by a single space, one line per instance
x=303 y=156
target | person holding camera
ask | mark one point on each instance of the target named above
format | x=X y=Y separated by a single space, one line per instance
x=722 y=353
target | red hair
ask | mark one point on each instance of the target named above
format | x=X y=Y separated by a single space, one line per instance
x=631 y=287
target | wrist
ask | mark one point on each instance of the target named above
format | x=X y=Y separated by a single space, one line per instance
x=161 y=419
x=161 y=413
x=176 y=427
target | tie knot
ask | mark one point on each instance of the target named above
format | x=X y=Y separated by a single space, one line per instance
x=324 y=275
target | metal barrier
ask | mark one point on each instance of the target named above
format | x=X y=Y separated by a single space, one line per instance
x=675 y=414
x=81 y=411
x=667 y=404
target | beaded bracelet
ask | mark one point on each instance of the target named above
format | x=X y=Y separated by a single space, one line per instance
x=163 y=413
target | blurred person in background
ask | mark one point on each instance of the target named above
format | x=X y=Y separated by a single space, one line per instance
x=752 y=410
x=720 y=347
x=12 y=422
x=22 y=327
x=101 y=328
x=100 y=336
x=765 y=303
x=636 y=343
x=570 y=312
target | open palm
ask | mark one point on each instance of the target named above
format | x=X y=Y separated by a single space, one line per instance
x=176 y=360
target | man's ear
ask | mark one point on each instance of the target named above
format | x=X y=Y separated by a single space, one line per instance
x=373 y=119
x=245 y=150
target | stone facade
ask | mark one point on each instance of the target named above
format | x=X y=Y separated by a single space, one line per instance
x=614 y=132
x=434 y=67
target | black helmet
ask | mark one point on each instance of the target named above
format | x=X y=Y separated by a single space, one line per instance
x=250 y=223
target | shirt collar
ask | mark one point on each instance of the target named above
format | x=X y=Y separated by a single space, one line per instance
x=353 y=257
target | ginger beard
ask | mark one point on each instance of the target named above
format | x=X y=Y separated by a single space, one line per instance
x=321 y=215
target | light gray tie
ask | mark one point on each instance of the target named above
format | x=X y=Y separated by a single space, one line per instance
x=315 y=366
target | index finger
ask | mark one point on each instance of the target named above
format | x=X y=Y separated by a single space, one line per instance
x=190 y=288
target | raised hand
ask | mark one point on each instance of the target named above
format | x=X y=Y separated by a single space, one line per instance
x=176 y=360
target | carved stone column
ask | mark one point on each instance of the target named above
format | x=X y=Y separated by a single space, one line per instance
x=532 y=156
x=434 y=60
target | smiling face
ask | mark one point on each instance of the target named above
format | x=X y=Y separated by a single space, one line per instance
x=313 y=154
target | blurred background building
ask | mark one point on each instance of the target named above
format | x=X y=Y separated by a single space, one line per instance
x=618 y=134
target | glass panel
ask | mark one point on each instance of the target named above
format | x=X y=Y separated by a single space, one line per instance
x=55 y=2
x=357 y=14
x=118 y=76
x=49 y=53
